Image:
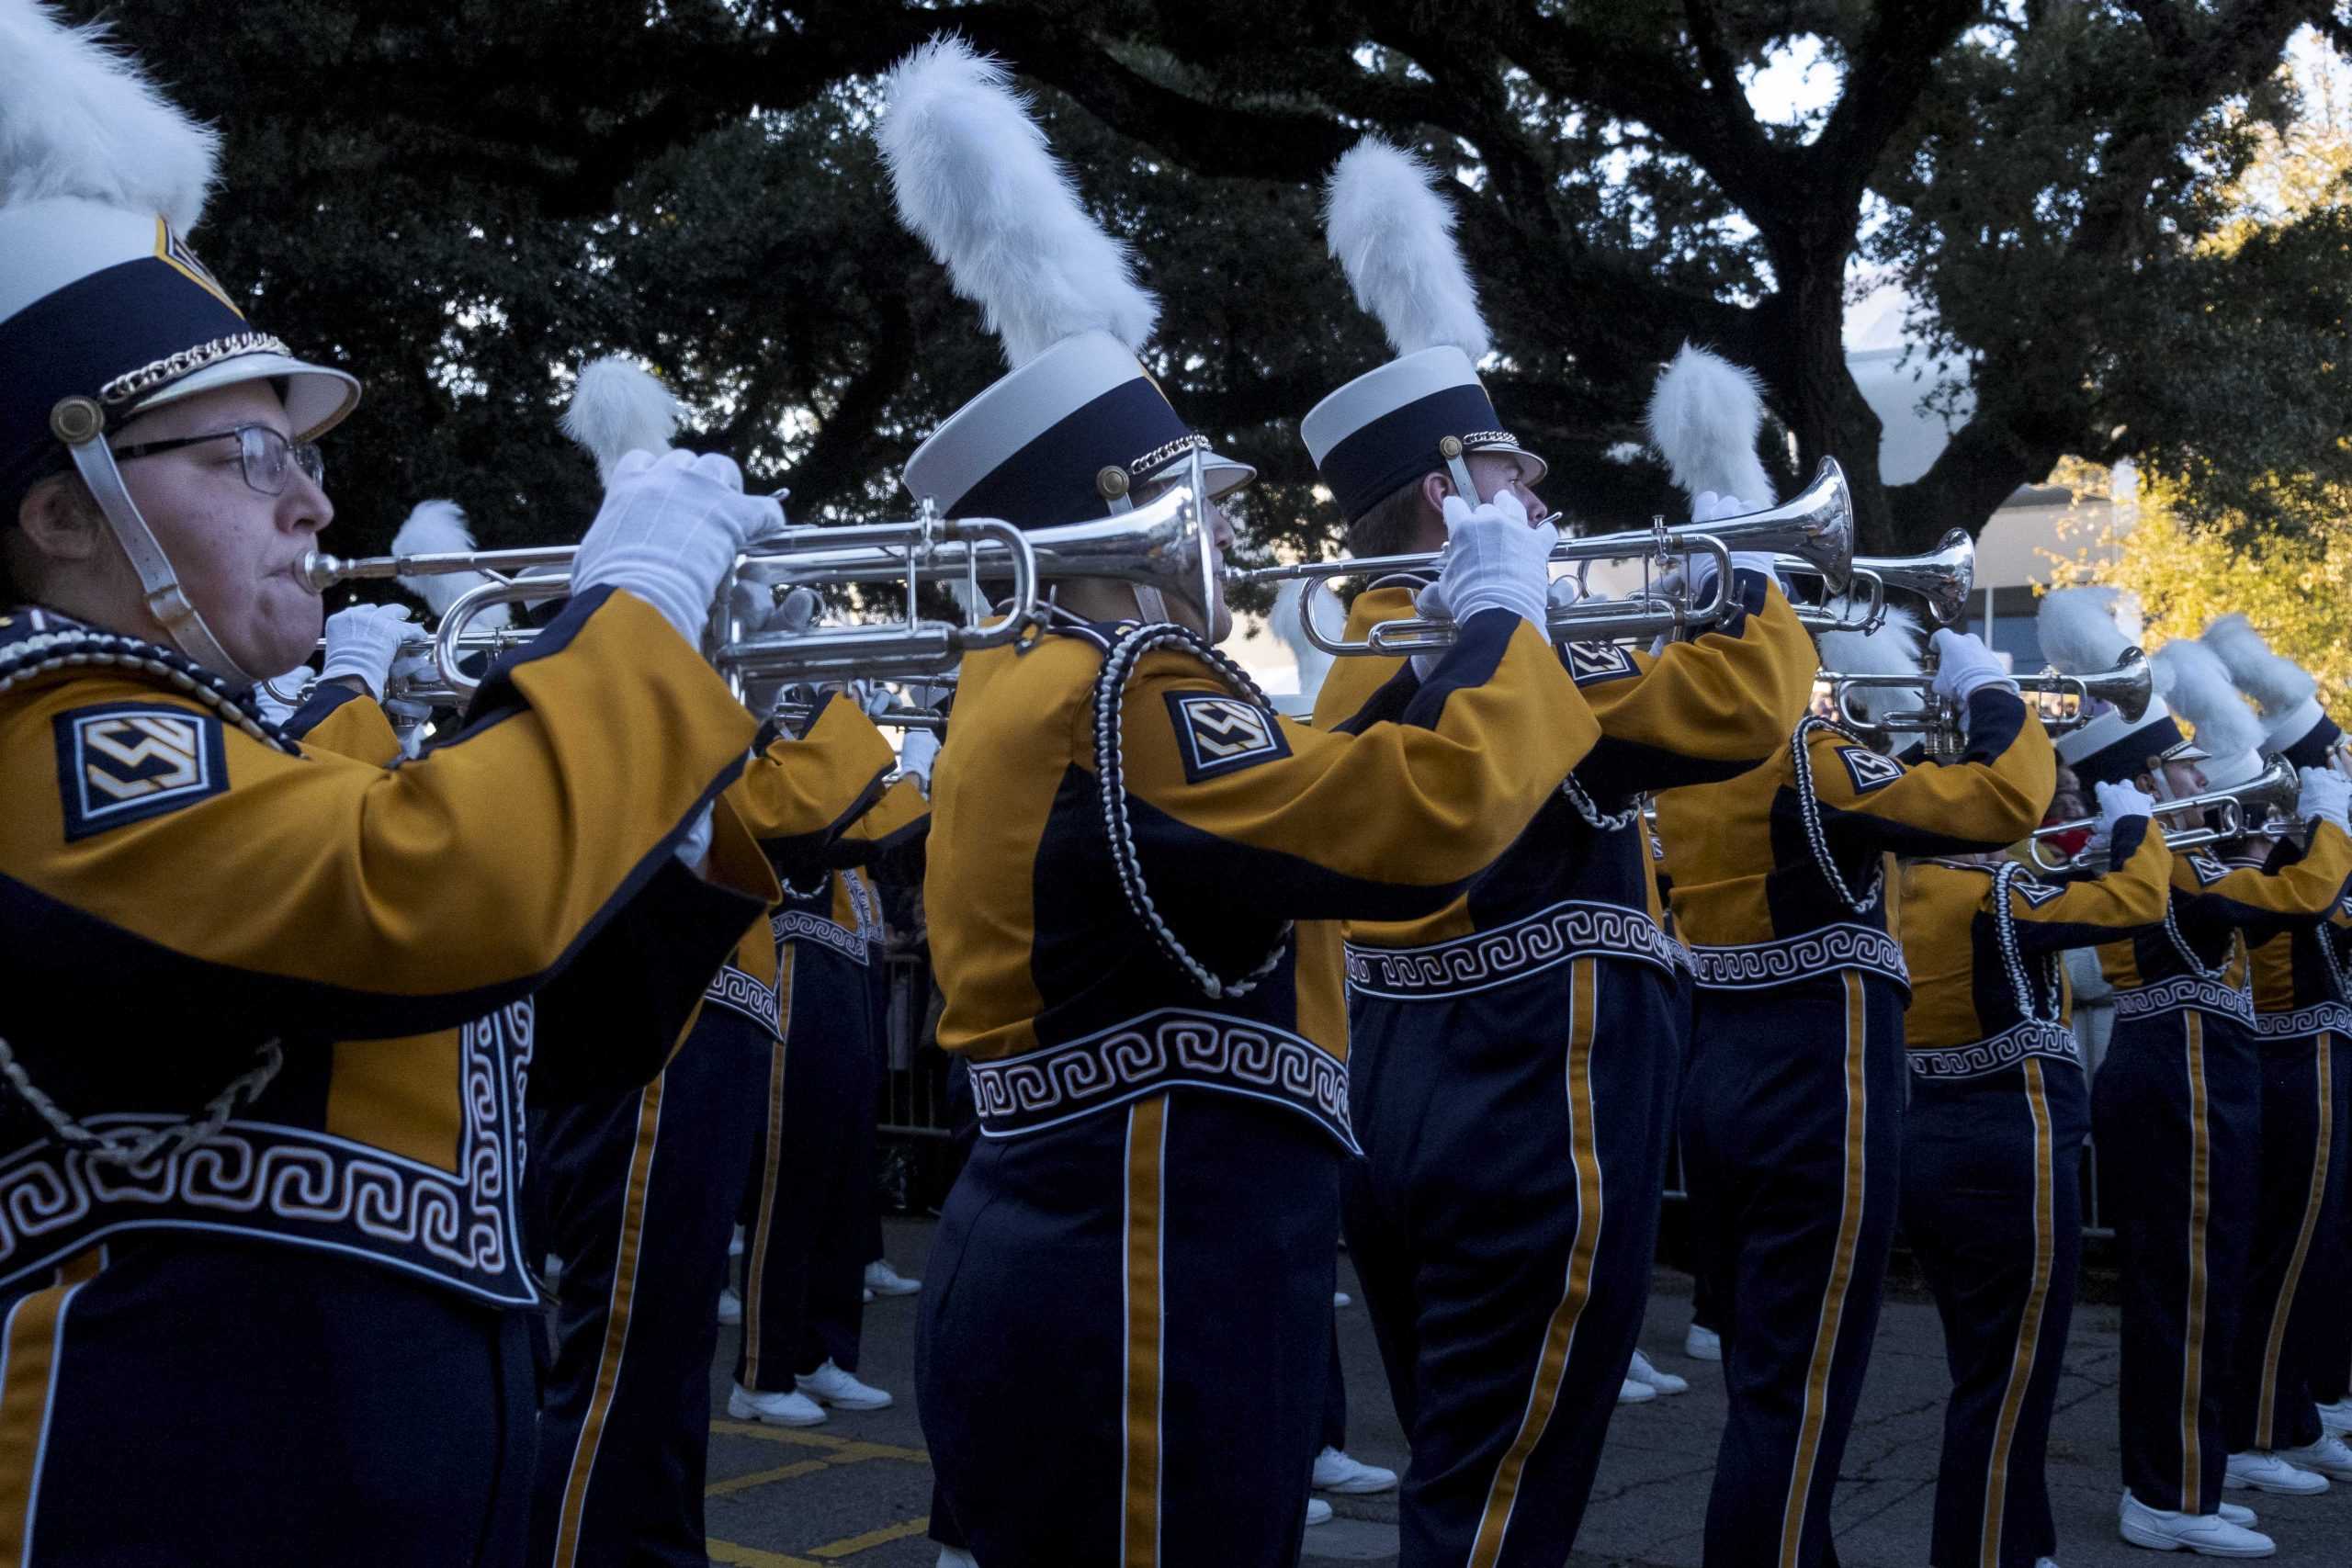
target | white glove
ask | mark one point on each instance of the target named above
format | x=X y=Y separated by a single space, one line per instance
x=363 y=641
x=916 y=753
x=1708 y=507
x=874 y=697
x=1965 y=666
x=2327 y=793
x=695 y=845
x=668 y=531
x=1562 y=594
x=759 y=609
x=1493 y=560
x=2117 y=804
x=269 y=704
x=414 y=664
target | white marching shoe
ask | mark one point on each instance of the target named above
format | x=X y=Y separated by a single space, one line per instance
x=1337 y=1471
x=2045 y=1562
x=735 y=1242
x=955 y=1557
x=830 y=1385
x=881 y=1279
x=1645 y=1372
x=1342 y=1299
x=1632 y=1393
x=2267 y=1471
x=1703 y=1343
x=2336 y=1417
x=730 y=1305
x=794 y=1409
x=2329 y=1456
x=1319 y=1512
x=2209 y=1535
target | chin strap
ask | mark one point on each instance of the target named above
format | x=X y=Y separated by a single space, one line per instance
x=79 y=423
x=1151 y=606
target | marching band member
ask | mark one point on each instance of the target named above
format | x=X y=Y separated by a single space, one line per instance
x=640 y=1184
x=1133 y=888
x=285 y=1237
x=1513 y=1056
x=811 y=1183
x=1792 y=1098
x=2303 y=1016
x=2175 y=1103
x=1992 y=1151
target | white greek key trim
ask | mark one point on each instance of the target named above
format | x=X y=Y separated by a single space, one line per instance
x=2186 y=991
x=2315 y=1018
x=1755 y=966
x=299 y=1185
x=733 y=989
x=1171 y=1048
x=799 y=925
x=1483 y=960
x=2034 y=1037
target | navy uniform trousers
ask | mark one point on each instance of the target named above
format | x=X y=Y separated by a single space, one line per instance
x=642 y=1194
x=1504 y=1224
x=2176 y=1111
x=809 y=1221
x=2283 y=1332
x=125 y=1365
x=1184 y=1242
x=1792 y=1137
x=2330 y=1367
x=1991 y=1208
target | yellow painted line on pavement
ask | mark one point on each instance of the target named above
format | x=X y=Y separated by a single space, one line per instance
x=761 y=1477
x=727 y=1551
x=846 y=1450
x=872 y=1539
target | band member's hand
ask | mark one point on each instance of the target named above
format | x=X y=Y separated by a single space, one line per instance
x=362 y=642
x=758 y=608
x=1494 y=561
x=2325 y=793
x=1709 y=507
x=1564 y=591
x=668 y=529
x=415 y=664
x=2119 y=801
x=916 y=754
x=1965 y=666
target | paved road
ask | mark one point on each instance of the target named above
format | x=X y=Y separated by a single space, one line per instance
x=856 y=1490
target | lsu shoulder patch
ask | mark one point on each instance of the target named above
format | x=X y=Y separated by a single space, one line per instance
x=1222 y=734
x=120 y=762
x=2036 y=894
x=1868 y=769
x=1591 y=664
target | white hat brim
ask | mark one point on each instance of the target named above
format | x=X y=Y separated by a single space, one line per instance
x=317 y=399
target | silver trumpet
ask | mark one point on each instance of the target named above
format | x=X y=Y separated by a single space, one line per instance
x=2263 y=804
x=1943 y=577
x=1817 y=525
x=2130 y=687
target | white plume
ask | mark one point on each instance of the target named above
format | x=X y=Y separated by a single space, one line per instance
x=618 y=406
x=1704 y=416
x=438 y=527
x=1892 y=649
x=2279 y=685
x=80 y=118
x=976 y=183
x=2197 y=686
x=1314 y=664
x=1392 y=233
x=2077 y=630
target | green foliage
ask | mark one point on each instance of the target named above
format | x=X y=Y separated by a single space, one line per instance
x=465 y=199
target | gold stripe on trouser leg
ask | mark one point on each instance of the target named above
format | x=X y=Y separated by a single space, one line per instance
x=616 y=1311
x=1560 y=1332
x=34 y=1336
x=1841 y=1279
x=2313 y=1200
x=1147 y=1156
x=2046 y=1242
x=755 y=1249
x=2200 y=1199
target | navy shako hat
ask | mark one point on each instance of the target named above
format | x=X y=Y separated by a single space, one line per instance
x=2293 y=723
x=2079 y=636
x=105 y=310
x=1077 y=425
x=1426 y=411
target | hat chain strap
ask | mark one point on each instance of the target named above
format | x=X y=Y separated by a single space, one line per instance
x=1809 y=811
x=1110 y=766
x=83 y=649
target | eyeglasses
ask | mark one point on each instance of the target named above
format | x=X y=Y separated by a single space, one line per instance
x=268 y=456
